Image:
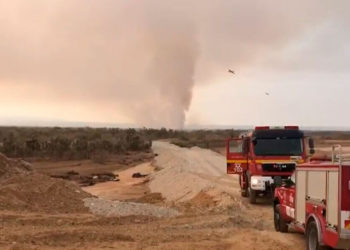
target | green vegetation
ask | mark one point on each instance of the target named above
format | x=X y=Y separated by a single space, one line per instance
x=71 y=143
x=98 y=143
x=211 y=139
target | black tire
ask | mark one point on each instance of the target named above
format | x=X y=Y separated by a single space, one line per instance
x=250 y=192
x=280 y=224
x=276 y=217
x=244 y=191
x=252 y=196
x=312 y=241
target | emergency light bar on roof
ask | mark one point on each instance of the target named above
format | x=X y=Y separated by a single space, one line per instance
x=268 y=127
x=262 y=128
x=291 y=127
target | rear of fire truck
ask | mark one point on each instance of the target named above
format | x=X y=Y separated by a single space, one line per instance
x=316 y=202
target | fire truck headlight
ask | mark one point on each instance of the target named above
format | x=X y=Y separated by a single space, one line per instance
x=255 y=182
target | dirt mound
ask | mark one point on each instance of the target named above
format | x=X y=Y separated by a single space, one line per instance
x=39 y=193
x=10 y=167
x=185 y=173
x=25 y=190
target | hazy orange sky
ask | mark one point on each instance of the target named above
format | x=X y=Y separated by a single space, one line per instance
x=164 y=63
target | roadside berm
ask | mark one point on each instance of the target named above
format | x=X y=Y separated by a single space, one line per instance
x=196 y=175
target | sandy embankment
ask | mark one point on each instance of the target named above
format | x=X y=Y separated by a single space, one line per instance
x=186 y=173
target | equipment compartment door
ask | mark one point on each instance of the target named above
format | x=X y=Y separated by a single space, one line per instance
x=237 y=156
x=300 y=196
x=332 y=198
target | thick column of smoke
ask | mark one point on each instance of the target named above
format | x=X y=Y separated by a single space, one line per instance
x=174 y=50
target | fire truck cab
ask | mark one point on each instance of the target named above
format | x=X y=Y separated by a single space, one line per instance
x=316 y=202
x=263 y=155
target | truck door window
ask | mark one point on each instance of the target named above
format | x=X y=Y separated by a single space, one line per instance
x=236 y=146
x=278 y=146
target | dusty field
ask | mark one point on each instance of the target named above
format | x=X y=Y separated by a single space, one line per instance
x=88 y=172
x=86 y=167
x=202 y=206
x=127 y=188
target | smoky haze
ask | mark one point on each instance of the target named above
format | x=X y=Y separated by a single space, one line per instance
x=140 y=59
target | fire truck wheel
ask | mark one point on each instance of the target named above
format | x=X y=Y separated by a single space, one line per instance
x=280 y=224
x=244 y=191
x=312 y=238
x=252 y=196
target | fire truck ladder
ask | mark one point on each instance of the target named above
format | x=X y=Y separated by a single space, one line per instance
x=337 y=154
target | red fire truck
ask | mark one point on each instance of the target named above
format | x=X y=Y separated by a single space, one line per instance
x=316 y=202
x=262 y=155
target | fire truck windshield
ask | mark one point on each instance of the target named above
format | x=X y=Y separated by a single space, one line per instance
x=276 y=146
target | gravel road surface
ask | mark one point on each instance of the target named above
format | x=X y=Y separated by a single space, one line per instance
x=117 y=208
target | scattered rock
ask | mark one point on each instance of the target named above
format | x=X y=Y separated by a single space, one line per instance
x=72 y=172
x=90 y=180
x=138 y=175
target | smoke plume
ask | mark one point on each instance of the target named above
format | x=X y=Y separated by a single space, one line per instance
x=139 y=59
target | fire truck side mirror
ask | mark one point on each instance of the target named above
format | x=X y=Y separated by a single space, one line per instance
x=246 y=146
x=311 y=146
